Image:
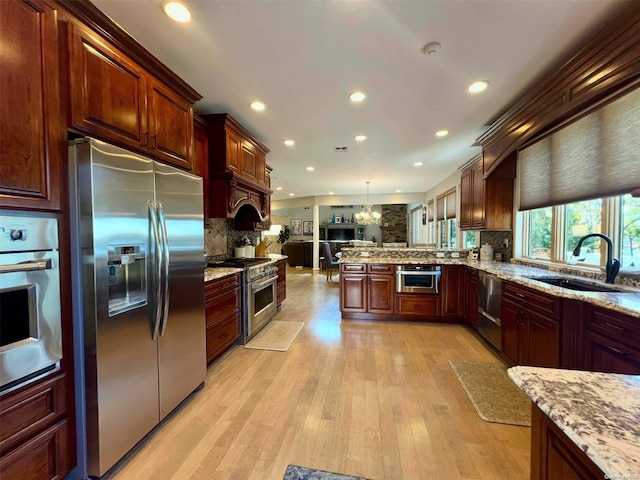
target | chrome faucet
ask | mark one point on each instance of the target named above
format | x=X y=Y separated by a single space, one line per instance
x=613 y=264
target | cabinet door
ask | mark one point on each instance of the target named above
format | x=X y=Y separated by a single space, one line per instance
x=380 y=298
x=170 y=126
x=477 y=198
x=201 y=162
x=353 y=293
x=472 y=299
x=234 y=148
x=544 y=341
x=451 y=286
x=511 y=319
x=30 y=121
x=465 y=199
x=107 y=90
x=249 y=163
x=602 y=354
x=261 y=170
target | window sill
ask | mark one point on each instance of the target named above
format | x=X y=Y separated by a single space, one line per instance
x=581 y=270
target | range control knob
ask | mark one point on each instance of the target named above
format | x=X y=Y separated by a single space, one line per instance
x=16 y=234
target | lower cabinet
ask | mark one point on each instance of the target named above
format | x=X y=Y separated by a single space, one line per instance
x=469 y=297
x=367 y=288
x=281 y=289
x=530 y=327
x=418 y=305
x=451 y=283
x=34 y=433
x=611 y=342
x=554 y=455
x=222 y=305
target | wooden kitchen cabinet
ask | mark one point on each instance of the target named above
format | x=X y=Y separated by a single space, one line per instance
x=115 y=99
x=380 y=293
x=487 y=203
x=469 y=298
x=35 y=436
x=371 y=291
x=33 y=136
x=530 y=327
x=222 y=307
x=554 y=455
x=611 y=342
x=451 y=285
x=281 y=289
x=201 y=159
x=353 y=292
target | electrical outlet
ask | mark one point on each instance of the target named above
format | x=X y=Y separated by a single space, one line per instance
x=440 y=254
x=505 y=243
x=364 y=254
x=455 y=255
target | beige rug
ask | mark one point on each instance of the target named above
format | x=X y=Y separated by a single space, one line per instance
x=492 y=393
x=276 y=336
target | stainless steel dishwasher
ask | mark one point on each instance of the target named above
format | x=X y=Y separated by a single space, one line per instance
x=489 y=306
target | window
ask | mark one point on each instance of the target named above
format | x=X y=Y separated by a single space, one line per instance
x=630 y=226
x=470 y=239
x=552 y=233
x=446 y=213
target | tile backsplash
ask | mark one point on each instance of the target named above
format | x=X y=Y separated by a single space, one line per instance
x=496 y=239
x=221 y=237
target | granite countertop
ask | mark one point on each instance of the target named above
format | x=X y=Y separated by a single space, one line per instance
x=599 y=412
x=627 y=302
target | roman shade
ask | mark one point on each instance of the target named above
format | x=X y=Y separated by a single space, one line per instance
x=430 y=211
x=451 y=205
x=440 y=207
x=593 y=157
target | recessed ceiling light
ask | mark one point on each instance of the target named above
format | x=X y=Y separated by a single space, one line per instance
x=258 y=106
x=479 y=86
x=289 y=143
x=442 y=133
x=357 y=96
x=330 y=193
x=360 y=138
x=417 y=164
x=310 y=169
x=176 y=11
x=278 y=188
x=291 y=194
x=398 y=191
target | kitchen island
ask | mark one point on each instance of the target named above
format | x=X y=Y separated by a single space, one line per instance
x=584 y=424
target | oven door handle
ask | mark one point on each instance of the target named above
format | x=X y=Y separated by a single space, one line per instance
x=421 y=272
x=26 y=266
x=264 y=283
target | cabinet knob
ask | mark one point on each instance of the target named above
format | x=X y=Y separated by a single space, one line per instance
x=145 y=137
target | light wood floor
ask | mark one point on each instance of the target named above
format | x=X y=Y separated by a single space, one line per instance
x=377 y=400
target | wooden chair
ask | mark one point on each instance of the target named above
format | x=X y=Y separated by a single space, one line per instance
x=331 y=265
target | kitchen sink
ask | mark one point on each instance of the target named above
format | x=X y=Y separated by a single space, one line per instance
x=574 y=284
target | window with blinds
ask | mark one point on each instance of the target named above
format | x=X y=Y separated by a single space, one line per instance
x=596 y=156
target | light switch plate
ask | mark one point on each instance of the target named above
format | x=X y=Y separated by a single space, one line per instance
x=455 y=255
x=440 y=254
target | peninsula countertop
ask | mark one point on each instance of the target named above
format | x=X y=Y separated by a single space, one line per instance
x=599 y=412
x=627 y=302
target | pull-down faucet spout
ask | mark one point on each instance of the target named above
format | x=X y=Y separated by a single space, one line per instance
x=613 y=264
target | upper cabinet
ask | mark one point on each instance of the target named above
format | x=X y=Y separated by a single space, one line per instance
x=33 y=139
x=486 y=203
x=240 y=179
x=114 y=98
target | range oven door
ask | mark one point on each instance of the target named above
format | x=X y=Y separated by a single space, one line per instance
x=262 y=303
x=30 y=330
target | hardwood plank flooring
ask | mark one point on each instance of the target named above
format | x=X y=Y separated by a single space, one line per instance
x=377 y=400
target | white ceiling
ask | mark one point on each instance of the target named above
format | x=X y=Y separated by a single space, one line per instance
x=303 y=57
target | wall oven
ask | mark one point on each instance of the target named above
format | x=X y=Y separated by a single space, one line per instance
x=418 y=278
x=30 y=320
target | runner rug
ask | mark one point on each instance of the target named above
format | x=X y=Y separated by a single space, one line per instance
x=278 y=336
x=295 y=472
x=492 y=393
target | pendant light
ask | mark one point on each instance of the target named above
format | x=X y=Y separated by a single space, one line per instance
x=366 y=216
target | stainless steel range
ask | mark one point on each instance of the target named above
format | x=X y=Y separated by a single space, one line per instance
x=259 y=297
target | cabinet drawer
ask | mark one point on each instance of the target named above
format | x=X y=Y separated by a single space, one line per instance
x=602 y=354
x=230 y=282
x=419 y=305
x=379 y=268
x=221 y=306
x=614 y=325
x=353 y=267
x=43 y=457
x=281 y=292
x=547 y=304
x=222 y=335
x=30 y=411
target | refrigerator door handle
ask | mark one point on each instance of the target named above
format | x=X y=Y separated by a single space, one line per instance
x=165 y=250
x=158 y=269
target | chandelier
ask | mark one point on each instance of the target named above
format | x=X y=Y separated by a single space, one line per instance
x=366 y=216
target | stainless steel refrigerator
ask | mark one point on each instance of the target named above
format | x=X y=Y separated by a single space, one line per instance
x=139 y=319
